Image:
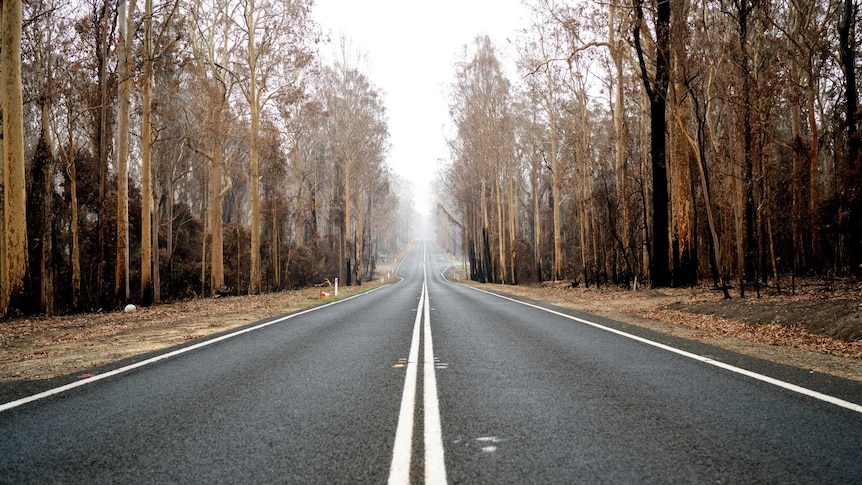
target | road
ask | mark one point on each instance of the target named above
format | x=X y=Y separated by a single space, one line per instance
x=429 y=381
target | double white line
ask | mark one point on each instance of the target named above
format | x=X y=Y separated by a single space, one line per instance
x=435 y=468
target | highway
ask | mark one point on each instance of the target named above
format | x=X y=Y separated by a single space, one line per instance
x=429 y=381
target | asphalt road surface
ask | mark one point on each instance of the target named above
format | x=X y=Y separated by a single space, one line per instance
x=428 y=381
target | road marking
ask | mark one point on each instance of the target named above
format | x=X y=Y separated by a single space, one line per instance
x=399 y=473
x=435 y=467
x=707 y=360
x=57 y=390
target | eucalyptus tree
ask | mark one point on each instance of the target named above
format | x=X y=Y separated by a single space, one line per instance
x=539 y=60
x=358 y=132
x=155 y=45
x=481 y=108
x=656 y=79
x=97 y=29
x=126 y=77
x=277 y=36
x=851 y=177
x=41 y=60
x=13 y=266
x=212 y=42
x=71 y=109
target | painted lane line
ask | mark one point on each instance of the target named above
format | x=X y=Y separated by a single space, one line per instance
x=57 y=390
x=399 y=472
x=732 y=368
x=435 y=466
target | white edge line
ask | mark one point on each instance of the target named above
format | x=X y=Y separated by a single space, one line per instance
x=402 y=449
x=770 y=380
x=98 y=377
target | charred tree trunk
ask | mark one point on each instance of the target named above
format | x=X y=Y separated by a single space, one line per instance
x=102 y=141
x=40 y=197
x=657 y=89
x=852 y=177
x=744 y=9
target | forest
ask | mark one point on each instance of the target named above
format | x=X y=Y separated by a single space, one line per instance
x=167 y=149
x=660 y=142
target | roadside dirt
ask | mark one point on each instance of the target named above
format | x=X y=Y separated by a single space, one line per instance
x=46 y=347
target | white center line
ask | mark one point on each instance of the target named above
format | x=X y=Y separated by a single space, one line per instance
x=435 y=468
x=399 y=473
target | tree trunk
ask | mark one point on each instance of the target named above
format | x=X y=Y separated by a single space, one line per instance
x=276 y=242
x=698 y=150
x=358 y=240
x=147 y=292
x=217 y=191
x=238 y=260
x=487 y=271
x=589 y=254
x=537 y=219
x=620 y=139
x=796 y=144
x=125 y=68
x=15 y=259
x=555 y=189
x=657 y=92
x=254 y=193
x=346 y=247
x=103 y=138
x=851 y=177
x=47 y=222
x=556 y=269
x=813 y=166
x=40 y=214
x=76 y=251
x=170 y=230
x=501 y=240
x=513 y=237
x=206 y=216
x=156 y=216
x=738 y=218
x=750 y=255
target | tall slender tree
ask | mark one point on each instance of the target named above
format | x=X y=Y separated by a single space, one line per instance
x=125 y=73
x=656 y=86
x=275 y=35
x=14 y=252
x=852 y=176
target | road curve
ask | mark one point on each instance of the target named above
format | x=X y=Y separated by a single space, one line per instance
x=522 y=396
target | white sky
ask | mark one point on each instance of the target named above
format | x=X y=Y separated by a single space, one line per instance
x=411 y=48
